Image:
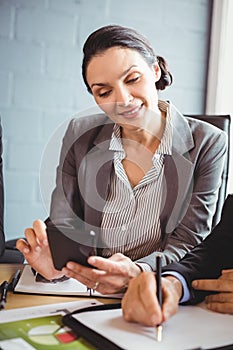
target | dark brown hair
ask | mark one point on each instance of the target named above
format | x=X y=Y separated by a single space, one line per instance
x=115 y=35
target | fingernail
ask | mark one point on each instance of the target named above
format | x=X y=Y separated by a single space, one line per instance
x=26 y=250
x=194 y=283
x=91 y=260
x=70 y=266
x=37 y=249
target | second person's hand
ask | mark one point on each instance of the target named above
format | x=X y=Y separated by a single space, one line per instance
x=222 y=301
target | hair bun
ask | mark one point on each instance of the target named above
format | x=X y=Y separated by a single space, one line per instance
x=166 y=77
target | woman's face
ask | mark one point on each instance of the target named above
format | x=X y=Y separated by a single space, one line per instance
x=123 y=85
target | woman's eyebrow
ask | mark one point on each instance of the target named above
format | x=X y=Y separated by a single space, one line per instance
x=121 y=76
x=127 y=70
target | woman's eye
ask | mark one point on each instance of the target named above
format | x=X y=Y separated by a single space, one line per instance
x=132 y=80
x=104 y=94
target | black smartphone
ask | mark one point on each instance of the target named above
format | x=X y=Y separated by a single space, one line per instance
x=70 y=244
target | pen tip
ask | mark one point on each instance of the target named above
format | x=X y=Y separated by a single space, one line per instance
x=159 y=330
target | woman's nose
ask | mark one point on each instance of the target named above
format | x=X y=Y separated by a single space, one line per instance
x=123 y=96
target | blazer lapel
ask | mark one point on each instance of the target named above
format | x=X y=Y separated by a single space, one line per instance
x=178 y=176
x=98 y=164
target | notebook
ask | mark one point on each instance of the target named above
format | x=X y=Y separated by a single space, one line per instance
x=70 y=287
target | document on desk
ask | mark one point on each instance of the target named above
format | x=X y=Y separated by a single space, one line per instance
x=193 y=327
x=28 y=284
x=40 y=327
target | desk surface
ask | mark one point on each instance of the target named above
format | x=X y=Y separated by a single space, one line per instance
x=17 y=300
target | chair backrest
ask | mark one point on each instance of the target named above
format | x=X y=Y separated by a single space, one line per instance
x=222 y=122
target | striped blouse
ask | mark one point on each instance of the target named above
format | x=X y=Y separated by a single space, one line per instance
x=130 y=223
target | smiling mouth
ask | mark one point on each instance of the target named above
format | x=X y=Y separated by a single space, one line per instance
x=133 y=112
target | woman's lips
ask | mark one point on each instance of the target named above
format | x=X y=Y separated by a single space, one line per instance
x=131 y=113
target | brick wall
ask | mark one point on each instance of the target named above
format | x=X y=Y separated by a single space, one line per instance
x=40 y=76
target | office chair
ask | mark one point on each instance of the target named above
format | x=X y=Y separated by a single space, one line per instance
x=222 y=122
x=8 y=251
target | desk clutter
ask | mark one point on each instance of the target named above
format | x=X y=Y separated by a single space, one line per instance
x=8 y=286
x=91 y=324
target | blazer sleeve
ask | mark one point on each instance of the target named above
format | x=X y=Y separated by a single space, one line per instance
x=193 y=219
x=66 y=204
x=211 y=256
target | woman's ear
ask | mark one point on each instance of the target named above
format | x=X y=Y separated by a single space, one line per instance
x=157 y=71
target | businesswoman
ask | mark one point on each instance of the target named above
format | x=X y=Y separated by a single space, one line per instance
x=140 y=174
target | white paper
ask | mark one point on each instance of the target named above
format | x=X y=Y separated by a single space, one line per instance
x=27 y=284
x=45 y=310
x=191 y=327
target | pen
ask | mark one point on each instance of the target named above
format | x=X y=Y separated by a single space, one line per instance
x=4 y=288
x=90 y=291
x=159 y=327
x=14 y=280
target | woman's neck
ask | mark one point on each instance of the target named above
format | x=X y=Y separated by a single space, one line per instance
x=150 y=136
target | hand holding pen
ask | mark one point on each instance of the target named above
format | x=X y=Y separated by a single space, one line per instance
x=142 y=301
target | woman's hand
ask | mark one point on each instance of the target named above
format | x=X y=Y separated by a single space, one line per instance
x=140 y=303
x=108 y=276
x=37 y=252
x=222 y=301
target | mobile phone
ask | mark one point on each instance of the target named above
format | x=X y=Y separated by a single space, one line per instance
x=70 y=244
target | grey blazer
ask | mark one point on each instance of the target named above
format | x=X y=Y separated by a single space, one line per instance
x=192 y=177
